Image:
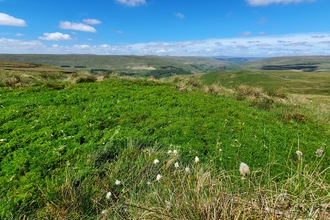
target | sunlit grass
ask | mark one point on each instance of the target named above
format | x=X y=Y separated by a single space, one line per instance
x=160 y=149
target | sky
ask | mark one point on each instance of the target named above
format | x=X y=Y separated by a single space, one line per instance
x=250 y=28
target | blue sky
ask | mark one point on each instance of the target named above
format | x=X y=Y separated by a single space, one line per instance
x=166 y=27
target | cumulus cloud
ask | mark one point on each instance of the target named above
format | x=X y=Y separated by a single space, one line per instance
x=268 y=2
x=8 y=20
x=263 y=46
x=76 y=26
x=299 y=44
x=318 y=36
x=324 y=42
x=92 y=21
x=132 y=3
x=179 y=15
x=55 y=36
x=20 y=46
x=246 y=33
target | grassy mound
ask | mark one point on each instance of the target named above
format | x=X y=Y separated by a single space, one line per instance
x=62 y=150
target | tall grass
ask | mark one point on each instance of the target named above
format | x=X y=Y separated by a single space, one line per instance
x=207 y=191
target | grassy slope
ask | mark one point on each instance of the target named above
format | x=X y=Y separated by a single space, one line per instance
x=30 y=67
x=323 y=62
x=294 y=82
x=85 y=129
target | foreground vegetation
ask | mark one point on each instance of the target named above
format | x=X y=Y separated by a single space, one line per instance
x=77 y=146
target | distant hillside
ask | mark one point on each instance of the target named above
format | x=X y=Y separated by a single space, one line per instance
x=238 y=60
x=302 y=63
x=125 y=65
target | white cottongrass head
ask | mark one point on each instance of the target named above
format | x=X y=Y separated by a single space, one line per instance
x=108 y=195
x=319 y=152
x=299 y=153
x=158 y=177
x=118 y=182
x=169 y=151
x=175 y=152
x=176 y=165
x=156 y=161
x=196 y=159
x=187 y=169
x=244 y=169
x=104 y=212
x=168 y=204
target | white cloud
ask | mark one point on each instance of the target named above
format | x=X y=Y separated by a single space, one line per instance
x=268 y=2
x=20 y=46
x=132 y=3
x=299 y=44
x=92 y=21
x=117 y=31
x=325 y=42
x=8 y=20
x=83 y=46
x=263 y=46
x=55 y=36
x=318 y=36
x=76 y=26
x=19 y=35
x=179 y=15
x=246 y=33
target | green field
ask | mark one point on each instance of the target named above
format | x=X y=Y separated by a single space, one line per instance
x=156 y=66
x=321 y=63
x=293 y=82
x=67 y=140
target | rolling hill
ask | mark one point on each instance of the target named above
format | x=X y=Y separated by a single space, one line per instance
x=125 y=65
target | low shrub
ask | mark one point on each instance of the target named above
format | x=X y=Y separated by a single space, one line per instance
x=86 y=79
x=243 y=91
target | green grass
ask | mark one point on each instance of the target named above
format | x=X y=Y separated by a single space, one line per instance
x=322 y=62
x=62 y=148
x=124 y=65
x=293 y=82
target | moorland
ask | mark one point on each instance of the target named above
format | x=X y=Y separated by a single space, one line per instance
x=128 y=137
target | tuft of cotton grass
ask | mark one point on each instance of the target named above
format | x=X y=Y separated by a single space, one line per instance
x=319 y=152
x=118 y=182
x=156 y=161
x=175 y=152
x=299 y=153
x=244 y=169
x=176 y=165
x=196 y=159
x=108 y=195
x=168 y=204
x=187 y=169
x=158 y=177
